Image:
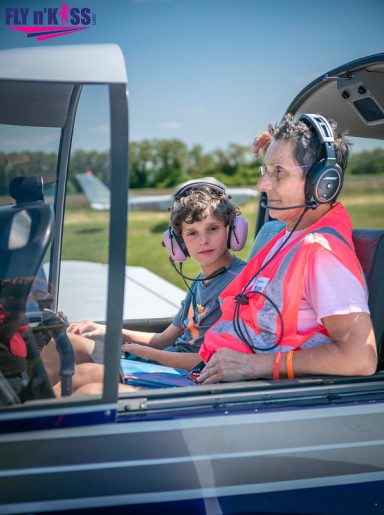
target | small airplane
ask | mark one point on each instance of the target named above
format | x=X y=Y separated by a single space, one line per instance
x=308 y=445
x=98 y=195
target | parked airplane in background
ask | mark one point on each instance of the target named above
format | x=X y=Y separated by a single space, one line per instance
x=98 y=195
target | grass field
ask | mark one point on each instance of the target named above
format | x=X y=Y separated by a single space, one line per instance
x=86 y=232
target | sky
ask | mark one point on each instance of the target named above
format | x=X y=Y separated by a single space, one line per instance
x=212 y=72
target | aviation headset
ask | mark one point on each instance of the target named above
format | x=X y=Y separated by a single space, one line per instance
x=325 y=177
x=237 y=232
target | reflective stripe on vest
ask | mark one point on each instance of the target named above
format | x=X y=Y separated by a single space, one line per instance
x=283 y=281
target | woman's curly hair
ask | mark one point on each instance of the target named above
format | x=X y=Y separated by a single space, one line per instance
x=308 y=147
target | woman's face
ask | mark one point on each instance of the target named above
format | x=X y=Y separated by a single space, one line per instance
x=283 y=182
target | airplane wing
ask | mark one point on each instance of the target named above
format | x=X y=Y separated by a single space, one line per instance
x=98 y=195
x=147 y=294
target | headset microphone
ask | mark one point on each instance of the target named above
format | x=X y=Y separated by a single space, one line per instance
x=220 y=271
x=309 y=205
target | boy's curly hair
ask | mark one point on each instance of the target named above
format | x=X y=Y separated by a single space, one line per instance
x=197 y=202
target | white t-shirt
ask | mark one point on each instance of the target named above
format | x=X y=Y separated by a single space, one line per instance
x=329 y=289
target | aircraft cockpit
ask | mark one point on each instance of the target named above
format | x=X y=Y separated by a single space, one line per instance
x=237 y=445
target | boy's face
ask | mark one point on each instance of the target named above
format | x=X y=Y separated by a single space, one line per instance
x=206 y=242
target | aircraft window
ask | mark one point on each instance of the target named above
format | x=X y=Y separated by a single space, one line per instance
x=27 y=322
x=84 y=266
x=28 y=152
x=32 y=332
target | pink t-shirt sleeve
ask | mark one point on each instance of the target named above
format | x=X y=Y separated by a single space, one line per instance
x=329 y=289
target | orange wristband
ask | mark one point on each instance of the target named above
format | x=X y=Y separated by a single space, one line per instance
x=276 y=365
x=289 y=365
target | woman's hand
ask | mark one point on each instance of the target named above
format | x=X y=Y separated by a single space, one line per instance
x=262 y=142
x=87 y=328
x=228 y=365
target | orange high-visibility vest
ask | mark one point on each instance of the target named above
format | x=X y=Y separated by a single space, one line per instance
x=282 y=280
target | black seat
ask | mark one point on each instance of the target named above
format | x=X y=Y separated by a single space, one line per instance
x=24 y=237
x=25 y=232
x=369 y=246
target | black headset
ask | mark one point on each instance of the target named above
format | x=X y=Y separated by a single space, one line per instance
x=325 y=177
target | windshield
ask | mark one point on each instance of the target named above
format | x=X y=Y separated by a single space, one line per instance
x=28 y=152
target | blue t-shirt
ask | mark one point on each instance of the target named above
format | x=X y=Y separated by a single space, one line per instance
x=201 y=310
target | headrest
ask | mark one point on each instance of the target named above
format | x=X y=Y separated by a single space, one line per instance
x=27 y=189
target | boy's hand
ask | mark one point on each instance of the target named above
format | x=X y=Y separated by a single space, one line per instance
x=135 y=348
x=87 y=328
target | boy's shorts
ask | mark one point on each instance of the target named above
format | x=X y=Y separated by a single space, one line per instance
x=98 y=351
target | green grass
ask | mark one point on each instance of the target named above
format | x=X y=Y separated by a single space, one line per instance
x=366 y=209
x=86 y=233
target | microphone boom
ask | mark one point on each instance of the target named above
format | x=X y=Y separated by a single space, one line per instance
x=312 y=205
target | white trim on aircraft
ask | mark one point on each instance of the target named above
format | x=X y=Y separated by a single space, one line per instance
x=146 y=294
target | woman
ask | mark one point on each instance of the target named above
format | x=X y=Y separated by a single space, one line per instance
x=305 y=290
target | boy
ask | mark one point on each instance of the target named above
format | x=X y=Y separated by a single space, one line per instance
x=203 y=221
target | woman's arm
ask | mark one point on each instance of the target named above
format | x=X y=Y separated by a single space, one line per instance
x=352 y=351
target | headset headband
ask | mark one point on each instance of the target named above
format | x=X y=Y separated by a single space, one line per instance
x=183 y=191
x=324 y=131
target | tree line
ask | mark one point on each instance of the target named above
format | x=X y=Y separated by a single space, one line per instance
x=164 y=164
